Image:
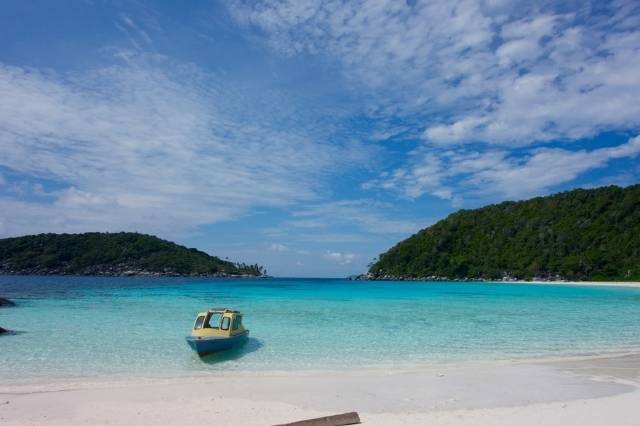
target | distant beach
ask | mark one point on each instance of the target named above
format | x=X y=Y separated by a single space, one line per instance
x=633 y=284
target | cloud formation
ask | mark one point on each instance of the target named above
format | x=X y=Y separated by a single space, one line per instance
x=373 y=217
x=340 y=258
x=457 y=172
x=497 y=72
x=154 y=146
x=479 y=80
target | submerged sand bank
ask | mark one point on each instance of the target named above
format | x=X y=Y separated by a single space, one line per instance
x=572 y=391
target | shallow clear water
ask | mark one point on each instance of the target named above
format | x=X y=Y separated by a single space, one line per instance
x=78 y=327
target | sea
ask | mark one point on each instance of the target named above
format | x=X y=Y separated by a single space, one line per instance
x=94 y=328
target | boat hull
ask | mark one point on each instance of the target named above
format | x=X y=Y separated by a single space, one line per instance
x=208 y=345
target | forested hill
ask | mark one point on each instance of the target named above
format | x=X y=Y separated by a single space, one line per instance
x=123 y=253
x=584 y=234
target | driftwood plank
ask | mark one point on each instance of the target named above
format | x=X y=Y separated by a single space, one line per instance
x=337 y=420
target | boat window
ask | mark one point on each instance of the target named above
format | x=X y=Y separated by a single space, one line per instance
x=237 y=322
x=199 y=322
x=225 y=323
x=214 y=320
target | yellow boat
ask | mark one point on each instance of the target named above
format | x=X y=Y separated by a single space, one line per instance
x=216 y=330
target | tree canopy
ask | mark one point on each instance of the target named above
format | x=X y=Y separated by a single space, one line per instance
x=97 y=253
x=584 y=234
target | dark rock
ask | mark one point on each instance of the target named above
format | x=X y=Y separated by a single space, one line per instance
x=6 y=302
x=3 y=330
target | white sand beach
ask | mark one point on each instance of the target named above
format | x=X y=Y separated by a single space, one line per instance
x=579 y=391
x=633 y=284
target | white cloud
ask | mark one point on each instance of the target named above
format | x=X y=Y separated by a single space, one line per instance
x=493 y=76
x=155 y=146
x=373 y=217
x=453 y=173
x=133 y=30
x=545 y=168
x=278 y=247
x=341 y=258
x=501 y=73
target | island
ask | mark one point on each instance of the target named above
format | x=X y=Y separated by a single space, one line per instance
x=112 y=254
x=578 y=235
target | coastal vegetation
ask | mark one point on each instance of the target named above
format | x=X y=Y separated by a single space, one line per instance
x=124 y=253
x=584 y=234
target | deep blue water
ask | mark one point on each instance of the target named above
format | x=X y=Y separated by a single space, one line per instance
x=78 y=327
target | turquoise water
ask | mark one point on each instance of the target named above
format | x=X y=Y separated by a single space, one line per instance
x=79 y=327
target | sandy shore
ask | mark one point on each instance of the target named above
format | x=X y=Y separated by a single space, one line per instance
x=634 y=284
x=593 y=391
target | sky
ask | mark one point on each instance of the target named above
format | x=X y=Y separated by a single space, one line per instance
x=306 y=136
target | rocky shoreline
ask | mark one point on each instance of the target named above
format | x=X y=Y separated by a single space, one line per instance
x=5 y=303
x=117 y=271
x=505 y=278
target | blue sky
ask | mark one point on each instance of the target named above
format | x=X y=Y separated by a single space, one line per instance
x=307 y=136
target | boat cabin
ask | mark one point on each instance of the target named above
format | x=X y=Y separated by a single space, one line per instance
x=221 y=322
